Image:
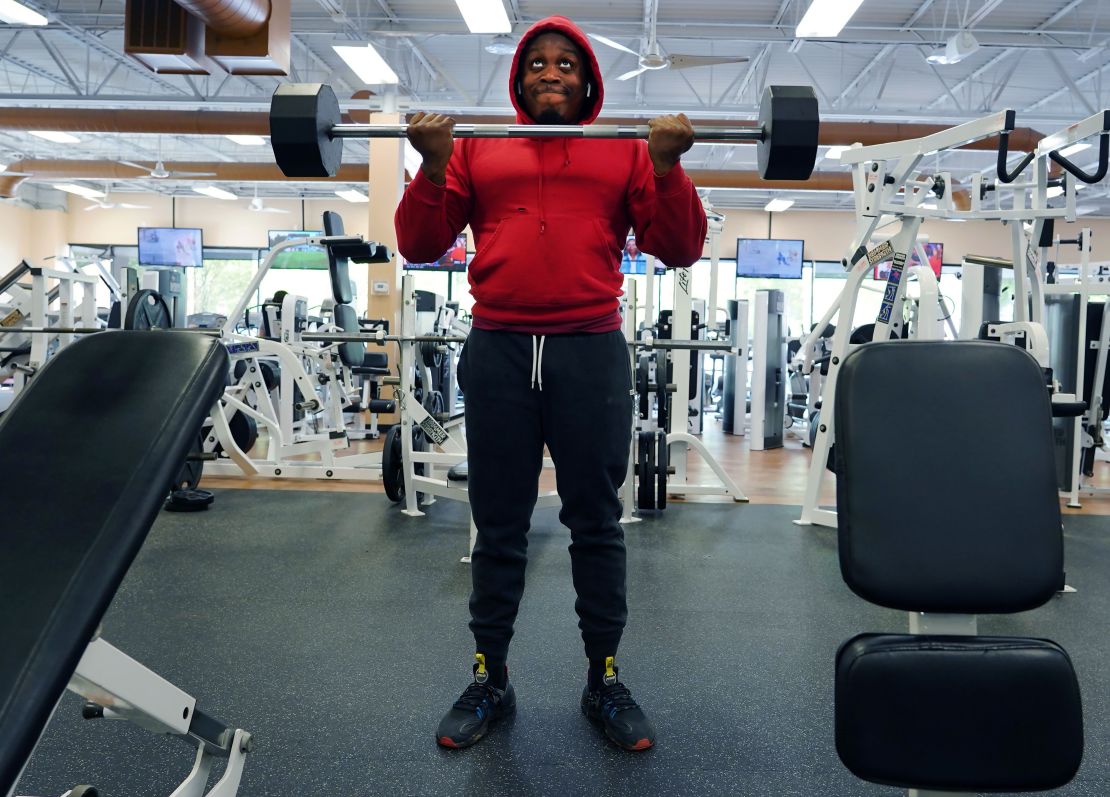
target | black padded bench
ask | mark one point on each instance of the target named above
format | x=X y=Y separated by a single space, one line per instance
x=947 y=508
x=77 y=508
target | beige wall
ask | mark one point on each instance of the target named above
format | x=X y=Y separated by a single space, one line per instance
x=225 y=223
x=31 y=235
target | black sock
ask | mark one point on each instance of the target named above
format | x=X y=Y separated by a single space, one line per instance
x=498 y=673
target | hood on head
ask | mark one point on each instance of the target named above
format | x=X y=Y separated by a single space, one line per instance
x=591 y=106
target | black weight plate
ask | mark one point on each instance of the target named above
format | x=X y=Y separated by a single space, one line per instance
x=662 y=462
x=271 y=374
x=301 y=118
x=431 y=355
x=244 y=431
x=645 y=489
x=791 y=122
x=643 y=379
x=147 y=310
x=393 y=476
x=189 y=501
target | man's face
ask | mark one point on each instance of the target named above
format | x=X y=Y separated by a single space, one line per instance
x=553 y=80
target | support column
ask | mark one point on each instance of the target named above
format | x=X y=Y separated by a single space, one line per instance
x=386 y=184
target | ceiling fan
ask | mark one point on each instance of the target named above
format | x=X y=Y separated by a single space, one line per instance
x=159 y=171
x=652 y=58
x=259 y=206
x=104 y=204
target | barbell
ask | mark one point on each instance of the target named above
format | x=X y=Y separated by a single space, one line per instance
x=308 y=139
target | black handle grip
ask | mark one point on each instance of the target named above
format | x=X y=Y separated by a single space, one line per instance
x=1005 y=175
x=1079 y=174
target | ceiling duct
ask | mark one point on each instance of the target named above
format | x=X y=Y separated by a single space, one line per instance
x=242 y=37
x=109 y=170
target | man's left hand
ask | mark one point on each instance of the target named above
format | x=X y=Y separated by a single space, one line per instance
x=668 y=138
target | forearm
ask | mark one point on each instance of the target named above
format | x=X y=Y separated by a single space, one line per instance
x=425 y=229
x=675 y=228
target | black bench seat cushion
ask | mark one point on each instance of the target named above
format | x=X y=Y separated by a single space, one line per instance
x=969 y=714
x=946 y=482
x=87 y=453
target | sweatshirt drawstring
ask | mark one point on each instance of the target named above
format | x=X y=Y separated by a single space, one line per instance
x=537 y=360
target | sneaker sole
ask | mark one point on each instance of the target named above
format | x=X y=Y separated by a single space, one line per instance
x=636 y=747
x=451 y=744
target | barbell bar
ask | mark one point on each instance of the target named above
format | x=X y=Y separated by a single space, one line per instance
x=307 y=136
x=370 y=337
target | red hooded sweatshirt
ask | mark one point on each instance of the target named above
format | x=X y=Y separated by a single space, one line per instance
x=550 y=216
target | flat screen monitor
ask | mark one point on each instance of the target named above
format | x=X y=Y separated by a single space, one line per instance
x=935 y=253
x=311 y=258
x=769 y=258
x=633 y=261
x=454 y=259
x=171 y=246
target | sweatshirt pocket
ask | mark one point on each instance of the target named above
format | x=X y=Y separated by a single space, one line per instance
x=561 y=260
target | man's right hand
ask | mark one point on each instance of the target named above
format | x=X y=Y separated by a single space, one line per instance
x=430 y=135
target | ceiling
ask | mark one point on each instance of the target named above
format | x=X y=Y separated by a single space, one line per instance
x=1047 y=59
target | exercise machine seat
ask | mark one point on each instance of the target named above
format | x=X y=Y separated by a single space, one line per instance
x=947 y=504
x=958 y=713
x=946 y=482
x=337 y=263
x=77 y=507
x=352 y=353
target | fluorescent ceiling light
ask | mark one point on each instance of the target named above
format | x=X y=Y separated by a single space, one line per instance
x=18 y=14
x=957 y=49
x=248 y=141
x=80 y=190
x=484 y=16
x=826 y=18
x=214 y=192
x=1067 y=152
x=55 y=136
x=834 y=153
x=351 y=195
x=365 y=62
x=777 y=205
x=1055 y=191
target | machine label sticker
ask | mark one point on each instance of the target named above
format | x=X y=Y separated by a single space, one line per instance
x=1033 y=256
x=684 y=280
x=12 y=318
x=436 y=433
x=880 y=253
x=241 y=348
x=887 y=308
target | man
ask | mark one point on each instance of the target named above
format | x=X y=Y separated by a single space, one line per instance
x=546 y=362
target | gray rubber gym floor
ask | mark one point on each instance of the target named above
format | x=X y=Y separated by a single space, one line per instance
x=334 y=629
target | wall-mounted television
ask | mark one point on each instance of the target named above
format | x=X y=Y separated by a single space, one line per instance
x=633 y=261
x=933 y=251
x=312 y=258
x=769 y=258
x=171 y=246
x=454 y=259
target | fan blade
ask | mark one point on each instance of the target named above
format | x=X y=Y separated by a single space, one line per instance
x=632 y=74
x=687 y=61
x=612 y=44
x=92 y=207
x=132 y=207
x=273 y=210
x=191 y=174
x=134 y=165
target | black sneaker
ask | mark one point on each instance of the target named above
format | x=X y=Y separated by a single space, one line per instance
x=612 y=707
x=479 y=706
